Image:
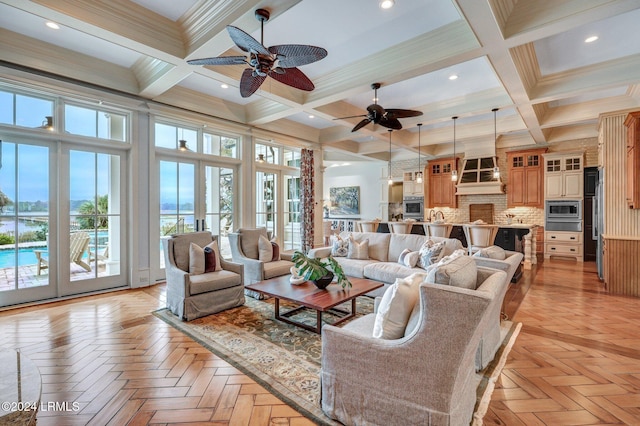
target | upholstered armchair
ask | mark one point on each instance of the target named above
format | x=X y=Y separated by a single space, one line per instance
x=426 y=377
x=192 y=295
x=257 y=266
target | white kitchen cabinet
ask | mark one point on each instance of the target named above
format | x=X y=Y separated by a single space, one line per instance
x=564 y=244
x=563 y=176
x=410 y=187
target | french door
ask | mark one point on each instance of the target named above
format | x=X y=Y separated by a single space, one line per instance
x=61 y=221
x=278 y=206
x=195 y=195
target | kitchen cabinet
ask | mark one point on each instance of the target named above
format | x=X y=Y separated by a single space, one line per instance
x=563 y=176
x=526 y=178
x=442 y=191
x=632 y=123
x=411 y=188
x=563 y=243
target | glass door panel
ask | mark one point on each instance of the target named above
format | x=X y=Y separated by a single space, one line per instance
x=292 y=216
x=95 y=235
x=218 y=208
x=25 y=262
x=266 y=205
x=177 y=197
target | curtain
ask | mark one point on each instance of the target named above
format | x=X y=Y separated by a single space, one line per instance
x=307 y=199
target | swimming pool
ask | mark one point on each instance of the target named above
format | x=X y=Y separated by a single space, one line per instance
x=26 y=256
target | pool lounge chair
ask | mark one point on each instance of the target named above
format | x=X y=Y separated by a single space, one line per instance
x=78 y=245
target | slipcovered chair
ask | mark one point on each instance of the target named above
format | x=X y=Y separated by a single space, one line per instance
x=190 y=295
x=479 y=236
x=244 y=250
x=437 y=229
x=425 y=377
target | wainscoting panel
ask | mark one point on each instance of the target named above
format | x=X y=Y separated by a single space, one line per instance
x=621 y=266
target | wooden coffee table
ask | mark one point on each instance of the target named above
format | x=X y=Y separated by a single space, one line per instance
x=307 y=295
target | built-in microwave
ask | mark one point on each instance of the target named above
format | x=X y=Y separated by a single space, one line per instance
x=563 y=215
x=413 y=208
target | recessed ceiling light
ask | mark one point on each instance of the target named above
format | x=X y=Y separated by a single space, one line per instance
x=591 y=39
x=224 y=86
x=53 y=25
x=312 y=116
x=387 y=4
x=453 y=77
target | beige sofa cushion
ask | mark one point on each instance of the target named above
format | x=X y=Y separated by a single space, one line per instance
x=277 y=268
x=387 y=272
x=399 y=242
x=378 y=244
x=461 y=271
x=249 y=240
x=213 y=281
x=354 y=267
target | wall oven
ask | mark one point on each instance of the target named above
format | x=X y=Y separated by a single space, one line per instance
x=413 y=208
x=563 y=215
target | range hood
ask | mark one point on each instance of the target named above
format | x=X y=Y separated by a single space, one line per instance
x=476 y=177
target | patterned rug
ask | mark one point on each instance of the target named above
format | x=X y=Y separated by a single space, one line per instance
x=285 y=359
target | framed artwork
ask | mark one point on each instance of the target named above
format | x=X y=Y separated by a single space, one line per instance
x=345 y=201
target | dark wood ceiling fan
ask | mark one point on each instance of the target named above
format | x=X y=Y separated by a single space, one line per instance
x=278 y=62
x=378 y=115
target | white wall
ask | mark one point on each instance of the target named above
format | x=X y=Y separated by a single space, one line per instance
x=366 y=175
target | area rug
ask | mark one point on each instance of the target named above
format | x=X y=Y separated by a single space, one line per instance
x=285 y=359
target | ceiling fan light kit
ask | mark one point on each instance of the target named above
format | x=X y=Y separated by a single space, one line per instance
x=279 y=62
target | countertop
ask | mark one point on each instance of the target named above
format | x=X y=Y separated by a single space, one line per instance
x=513 y=225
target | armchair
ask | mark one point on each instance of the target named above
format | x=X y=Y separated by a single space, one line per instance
x=244 y=250
x=192 y=296
x=425 y=377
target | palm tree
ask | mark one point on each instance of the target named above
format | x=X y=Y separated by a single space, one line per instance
x=88 y=213
x=4 y=201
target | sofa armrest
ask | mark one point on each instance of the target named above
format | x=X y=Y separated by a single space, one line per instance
x=238 y=268
x=287 y=255
x=320 y=252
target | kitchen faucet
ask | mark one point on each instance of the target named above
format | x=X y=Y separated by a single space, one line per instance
x=434 y=214
x=441 y=215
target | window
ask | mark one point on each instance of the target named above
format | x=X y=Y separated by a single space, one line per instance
x=168 y=136
x=292 y=157
x=271 y=154
x=95 y=123
x=23 y=110
x=222 y=146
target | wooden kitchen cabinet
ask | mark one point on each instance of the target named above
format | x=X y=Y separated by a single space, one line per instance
x=526 y=178
x=633 y=159
x=442 y=191
x=563 y=176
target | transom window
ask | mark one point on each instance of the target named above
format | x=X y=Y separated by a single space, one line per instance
x=95 y=123
x=268 y=153
x=222 y=146
x=27 y=111
x=169 y=136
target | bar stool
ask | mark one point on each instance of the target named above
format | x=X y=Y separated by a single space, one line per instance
x=479 y=236
x=437 y=229
x=368 y=225
x=400 y=227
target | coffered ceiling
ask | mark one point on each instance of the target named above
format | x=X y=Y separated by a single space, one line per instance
x=528 y=58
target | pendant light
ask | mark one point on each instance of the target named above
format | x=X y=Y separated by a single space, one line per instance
x=260 y=158
x=390 y=181
x=496 y=169
x=183 y=145
x=454 y=170
x=419 y=174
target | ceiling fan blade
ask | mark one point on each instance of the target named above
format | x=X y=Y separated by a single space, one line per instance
x=360 y=125
x=351 y=116
x=402 y=113
x=391 y=123
x=295 y=55
x=294 y=78
x=245 y=42
x=220 y=60
x=250 y=83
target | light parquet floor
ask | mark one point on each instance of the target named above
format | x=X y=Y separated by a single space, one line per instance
x=576 y=360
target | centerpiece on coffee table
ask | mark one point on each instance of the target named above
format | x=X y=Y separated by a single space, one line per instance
x=320 y=271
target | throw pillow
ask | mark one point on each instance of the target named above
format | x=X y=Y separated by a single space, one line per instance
x=196 y=259
x=492 y=252
x=213 y=245
x=209 y=260
x=358 y=250
x=265 y=249
x=430 y=253
x=409 y=258
x=461 y=271
x=340 y=247
x=394 y=310
x=276 y=251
